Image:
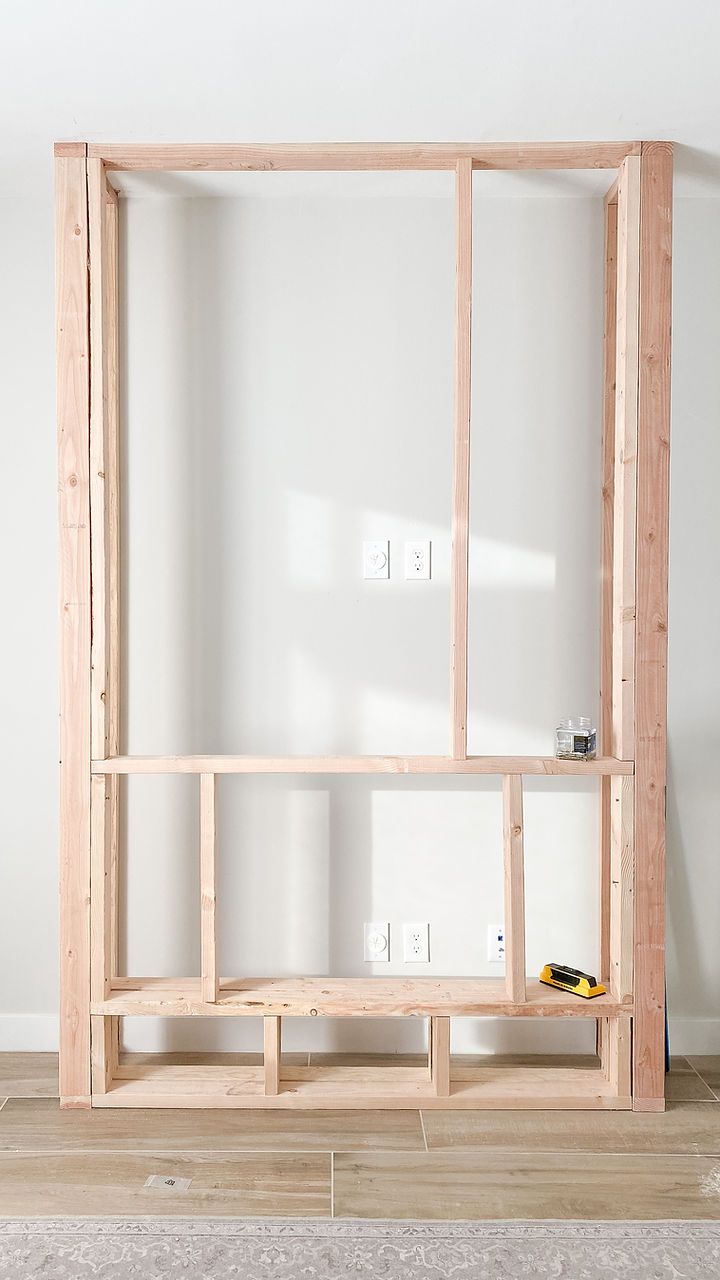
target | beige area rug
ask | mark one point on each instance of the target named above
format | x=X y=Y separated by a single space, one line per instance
x=292 y=1249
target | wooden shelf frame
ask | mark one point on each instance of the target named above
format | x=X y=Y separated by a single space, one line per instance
x=633 y=641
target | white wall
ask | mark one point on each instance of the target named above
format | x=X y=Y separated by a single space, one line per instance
x=250 y=497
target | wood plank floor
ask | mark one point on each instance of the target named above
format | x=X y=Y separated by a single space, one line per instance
x=391 y=1164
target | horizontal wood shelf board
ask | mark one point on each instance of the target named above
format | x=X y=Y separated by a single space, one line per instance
x=327 y=156
x=349 y=997
x=494 y=765
x=495 y=1086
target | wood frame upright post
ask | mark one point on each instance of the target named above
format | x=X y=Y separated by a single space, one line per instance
x=620 y=428
x=653 y=472
x=514 y=863
x=606 y=569
x=105 y=626
x=208 y=886
x=73 y=419
x=461 y=458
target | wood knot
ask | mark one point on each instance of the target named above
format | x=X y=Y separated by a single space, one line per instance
x=313 y=1013
x=78 y=231
x=72 y=481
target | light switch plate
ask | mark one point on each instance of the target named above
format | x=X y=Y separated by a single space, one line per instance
x=377 y=942
x=376 y=559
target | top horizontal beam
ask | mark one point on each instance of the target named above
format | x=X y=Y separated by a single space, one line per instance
x=317 y=156
x=497 y=765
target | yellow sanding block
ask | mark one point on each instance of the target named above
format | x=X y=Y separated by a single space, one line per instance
x=572 y=980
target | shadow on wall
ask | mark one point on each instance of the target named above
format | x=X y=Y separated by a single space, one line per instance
x=288 y=393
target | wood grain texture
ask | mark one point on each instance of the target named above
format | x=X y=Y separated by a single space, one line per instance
x=272 y=1041
x=208 y=887
x=105 y=627
x=622 y=874
x=256 y=1183
x=651 y=636
x=111 y=291
x=514 y=877
x=101 y=935
x=475 y=1184
x=461 y=460
x=104 y=1053
x=73 y=412
x=531 y=765
x=374 y=1088
x=625 y=473
x=363 y=156
x=617 y=1061
x=439 y=1056
x=28 y=1075
x=349 y=997
x=70 y=150
x=98 y=245
x=606 y=566
x=40 y=1125
x=691 y=1128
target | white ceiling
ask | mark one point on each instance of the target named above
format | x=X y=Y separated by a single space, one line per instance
x=359 y=70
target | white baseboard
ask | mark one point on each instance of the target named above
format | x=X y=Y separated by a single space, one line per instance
x=694 y=1036
x=36 y=1032
x=32 y=1032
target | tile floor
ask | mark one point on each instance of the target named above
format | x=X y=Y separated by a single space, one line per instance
x=387 y=1164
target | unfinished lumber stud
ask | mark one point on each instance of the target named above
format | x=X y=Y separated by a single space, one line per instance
x=514 y=887
x=440 y=1056
x=208 y=888
x=272 y=1048
x=461 y=457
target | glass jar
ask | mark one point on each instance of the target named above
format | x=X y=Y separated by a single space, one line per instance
x=575 y=739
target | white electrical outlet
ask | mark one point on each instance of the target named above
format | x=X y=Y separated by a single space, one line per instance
x=496 y=943
x=376 y=559
x=416 y=943
x=417 y=560
x=377 y=942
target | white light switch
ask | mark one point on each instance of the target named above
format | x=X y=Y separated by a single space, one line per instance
x=417 y=560
x=376 y=559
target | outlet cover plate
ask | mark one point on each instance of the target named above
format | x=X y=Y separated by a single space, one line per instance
x=417 y=560
x=416 y=943
x=496 y=943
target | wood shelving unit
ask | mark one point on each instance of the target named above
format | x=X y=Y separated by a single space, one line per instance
x=631 y=773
